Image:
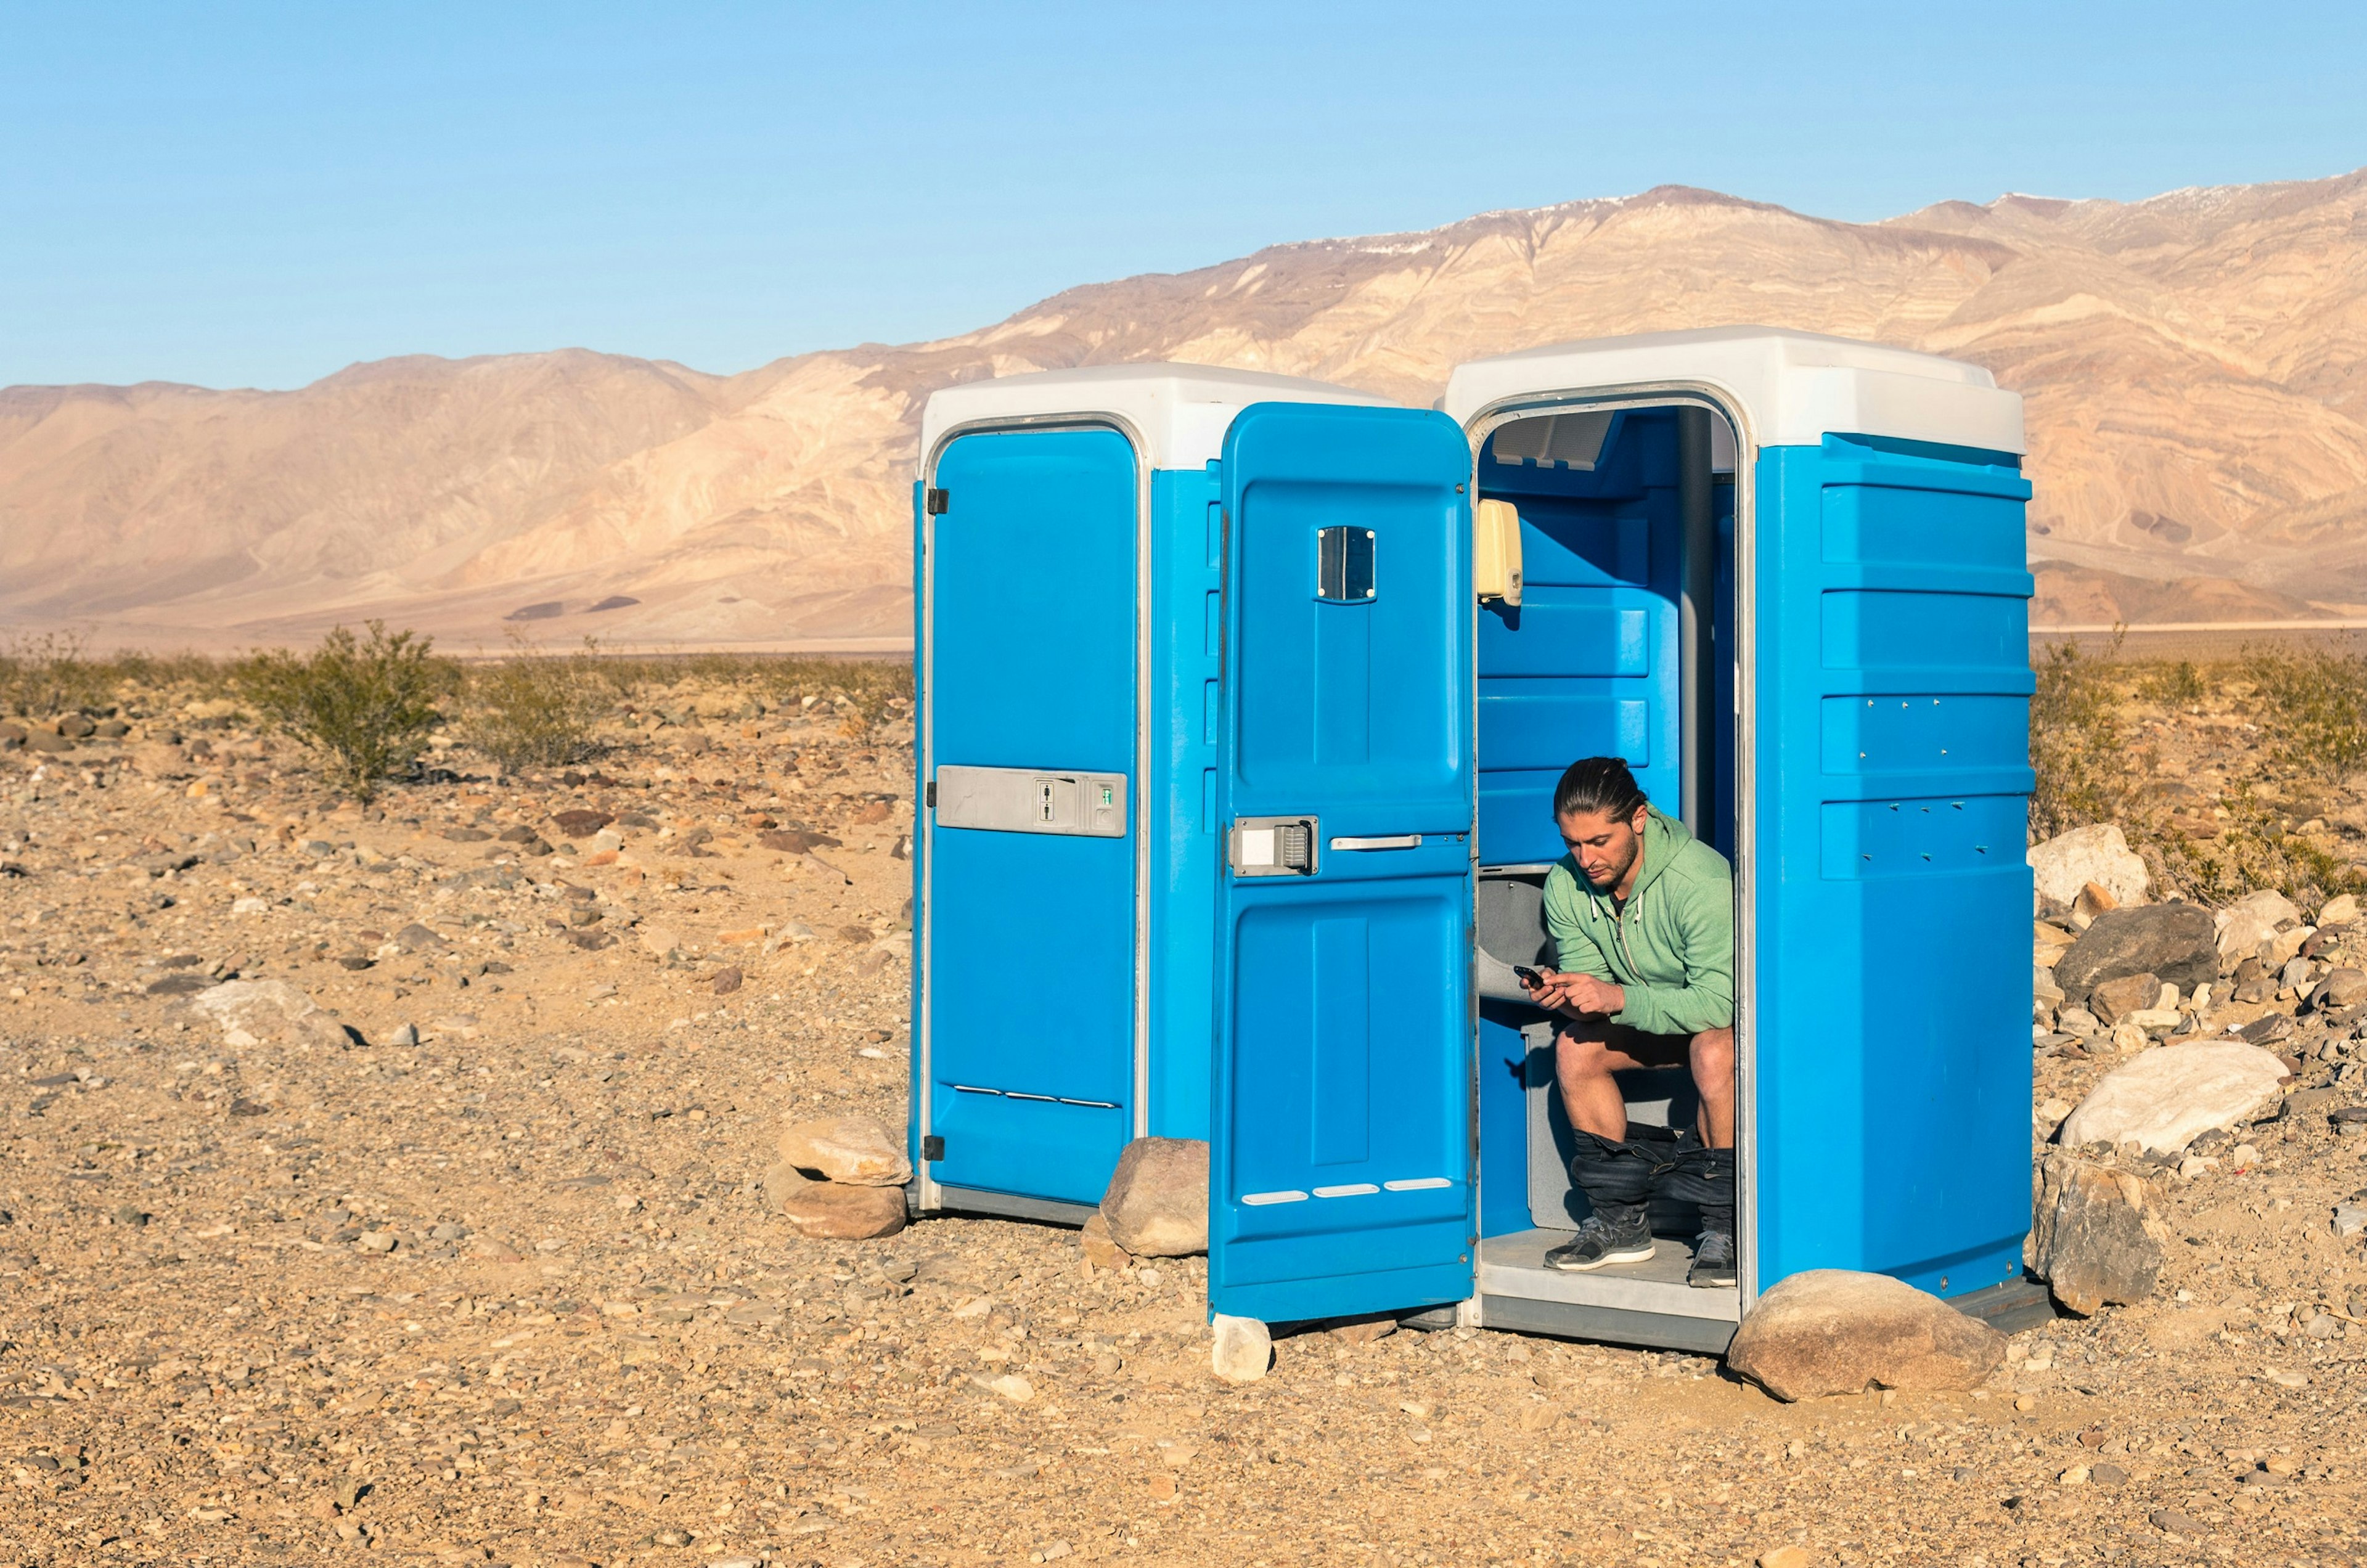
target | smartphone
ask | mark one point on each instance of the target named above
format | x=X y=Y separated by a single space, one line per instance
x=1527 y=977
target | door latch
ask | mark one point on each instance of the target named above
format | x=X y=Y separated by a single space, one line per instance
x=1273 y=846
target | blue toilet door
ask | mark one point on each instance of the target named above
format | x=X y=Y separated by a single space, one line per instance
x=1029 y=962
x=1341 y=1179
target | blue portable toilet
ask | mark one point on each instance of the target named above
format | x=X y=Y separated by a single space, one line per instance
x=1782 y=574
x=1068 y=534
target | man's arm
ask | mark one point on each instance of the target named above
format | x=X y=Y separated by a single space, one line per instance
x=1706 y=998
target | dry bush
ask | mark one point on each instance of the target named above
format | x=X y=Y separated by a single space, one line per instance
x=537 y=709
x=42 y=676
x=367 y=706
x=2077 y=744
x=2314 y=706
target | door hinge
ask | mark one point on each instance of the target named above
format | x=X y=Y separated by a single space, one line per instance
x=934 y=501
x=929 y=794
x=933 y=1147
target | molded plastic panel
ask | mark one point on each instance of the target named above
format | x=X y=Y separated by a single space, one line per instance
x=1180 y=802
x=1588 y=664
x=1029 y=937
x=1341 y=1137
x=1892 y=899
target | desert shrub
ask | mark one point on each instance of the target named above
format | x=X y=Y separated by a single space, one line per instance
x=368 y=706
x=2077 y=745
x=537 y=708
x=2252 y=850
x=2175 y=685
x=2313 y=705
x=51 y=673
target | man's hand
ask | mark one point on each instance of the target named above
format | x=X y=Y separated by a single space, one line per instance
x=1577 y=996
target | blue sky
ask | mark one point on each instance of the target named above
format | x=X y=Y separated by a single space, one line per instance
x=254 y=195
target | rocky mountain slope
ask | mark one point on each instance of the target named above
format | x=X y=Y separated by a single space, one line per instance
x=2194 y=364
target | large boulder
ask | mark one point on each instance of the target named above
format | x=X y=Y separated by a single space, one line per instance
x=2173 y=941
x=832 y=1211
x=853 y=1150
x=2166 y=1098
x=2068 y=861
x=1157 y=1204
x=2250 y=921
x=1833 y=1331
x=2095 y=1235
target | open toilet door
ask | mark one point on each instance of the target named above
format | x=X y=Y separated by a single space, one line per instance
x=1341 y=1177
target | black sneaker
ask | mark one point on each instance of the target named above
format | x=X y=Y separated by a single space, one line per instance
x=1600 y=1242
x=1713 y=1266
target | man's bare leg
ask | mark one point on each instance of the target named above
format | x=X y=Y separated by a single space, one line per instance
x=1711 y=1056
x=1583 y=1064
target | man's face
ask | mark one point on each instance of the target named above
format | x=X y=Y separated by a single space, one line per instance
x=1606 y=846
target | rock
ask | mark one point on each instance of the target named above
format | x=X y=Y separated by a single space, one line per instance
x=251 y=1011
x=1157 y=1203
x=660 y=940
x=833 y=1210
x=2350 y=1220
x=1243 y=1349
x=1831 y=1331
x=2172 y=941
x=2164 y=1098
x=2242 y=926
x=2266 y=1029
x=405 y=1037
x=2116 y=1000
x=2095 y=1237
x=2066 y=862
x=1786 y=1557
x=2343 y=910
x=380 y=1242
x=581 y=824
x=2343 y=987
x=1099 y=1251
x=1010 y=1385
x=854 y=1150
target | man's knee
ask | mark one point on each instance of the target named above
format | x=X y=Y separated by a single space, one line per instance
x=1712 y=1057
x=1582 y=1054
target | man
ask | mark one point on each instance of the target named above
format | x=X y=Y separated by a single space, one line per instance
x=1642 y=917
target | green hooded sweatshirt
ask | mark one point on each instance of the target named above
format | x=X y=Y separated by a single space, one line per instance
x=1671 y=949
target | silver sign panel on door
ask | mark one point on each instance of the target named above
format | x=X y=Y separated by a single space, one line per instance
x=1031 y=800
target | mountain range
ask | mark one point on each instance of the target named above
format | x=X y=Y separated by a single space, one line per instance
x=2195 y=366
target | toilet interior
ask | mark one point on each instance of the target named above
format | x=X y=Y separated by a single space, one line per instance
x=1623 y=645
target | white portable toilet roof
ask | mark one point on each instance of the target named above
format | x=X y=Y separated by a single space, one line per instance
x=1792 y=387
x=1179 y=412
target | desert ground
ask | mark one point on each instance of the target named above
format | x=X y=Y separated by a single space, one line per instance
x=474 y=1264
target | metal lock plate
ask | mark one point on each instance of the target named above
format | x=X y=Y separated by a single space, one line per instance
x=1028 y=800
x=1273 y=846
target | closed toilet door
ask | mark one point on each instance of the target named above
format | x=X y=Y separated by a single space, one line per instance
x=1340 y=1166
x=1029 y=957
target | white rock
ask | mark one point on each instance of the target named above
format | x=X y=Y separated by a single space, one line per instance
x=2165 y=1099
x=2243 y=925
x=2343 y=910
x=1243 y=1350
x=2099 y=853
x=251 y=1011
x=2350 y=1219
x=854 y=1149
x=1010 y=1386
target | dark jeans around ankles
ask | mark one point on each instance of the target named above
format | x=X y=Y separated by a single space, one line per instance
x=1656 y=1162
